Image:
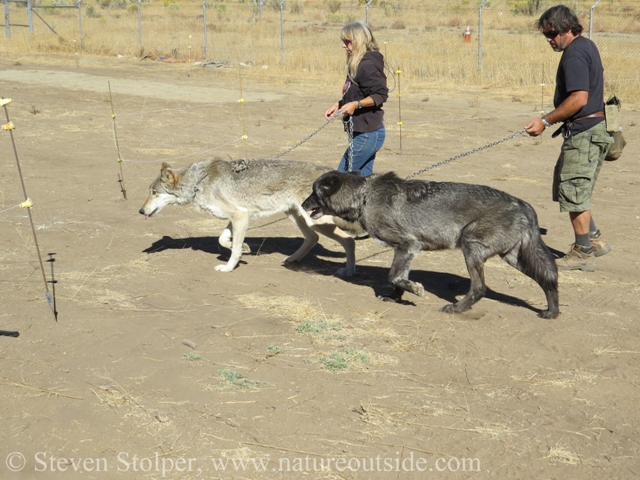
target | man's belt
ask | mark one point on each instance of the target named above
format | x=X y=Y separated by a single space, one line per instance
x=565 y=128
x=593 y=115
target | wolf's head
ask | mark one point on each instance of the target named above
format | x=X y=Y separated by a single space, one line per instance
x=338 y=194
x=162 y=192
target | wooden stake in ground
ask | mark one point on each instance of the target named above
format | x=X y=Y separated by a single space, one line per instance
x=115 y=137
x=542 y=88
x=27 y=202
x=244 y=128
x=399 y=95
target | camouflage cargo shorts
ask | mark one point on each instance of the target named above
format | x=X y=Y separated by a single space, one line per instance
x=578 y=167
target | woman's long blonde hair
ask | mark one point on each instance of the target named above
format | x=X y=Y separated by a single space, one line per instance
x=362 y=41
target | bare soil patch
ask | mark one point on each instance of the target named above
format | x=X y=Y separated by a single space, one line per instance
x=293 y=364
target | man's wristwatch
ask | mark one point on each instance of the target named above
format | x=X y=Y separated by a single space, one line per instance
x=359 y=105
x=546 y=124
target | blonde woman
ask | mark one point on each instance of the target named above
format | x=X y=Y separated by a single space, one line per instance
x=363 y=93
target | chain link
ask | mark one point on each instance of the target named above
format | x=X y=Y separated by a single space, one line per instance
x=475 y=150
x=349 y=128
x=308 y=137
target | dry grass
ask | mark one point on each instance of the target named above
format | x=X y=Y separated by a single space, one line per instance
x=559 y=454
x=560 y=379
x=428 y=48
x=292 y=308
x=392 y=416
x=611 y=351
x=40 y=390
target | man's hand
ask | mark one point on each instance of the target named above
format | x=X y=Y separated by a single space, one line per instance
x=571 y=105
x=535 y=127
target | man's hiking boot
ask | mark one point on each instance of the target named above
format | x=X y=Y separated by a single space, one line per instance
x=578 y=259
x=600 y=247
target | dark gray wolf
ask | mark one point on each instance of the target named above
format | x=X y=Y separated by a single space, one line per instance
x=414 y=215
x=244 y=189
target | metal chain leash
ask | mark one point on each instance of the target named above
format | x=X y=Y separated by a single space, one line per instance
x=308 y=137
x=475 y=150
x=349 y=128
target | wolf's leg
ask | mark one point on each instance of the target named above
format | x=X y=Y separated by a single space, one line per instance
x=399 y=276
x=325 y=226
x=239 y=227
x=534 y=260
x=302 y=220
x=225 y=240
x=475 y=255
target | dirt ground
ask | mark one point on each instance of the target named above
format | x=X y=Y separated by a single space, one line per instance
x=296 y=373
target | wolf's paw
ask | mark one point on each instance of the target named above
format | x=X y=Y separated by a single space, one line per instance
x=548 y=314
x=387 y=299
x=225 y=267
x=451 y=308
x=418 y=289
x=246 y=248
x=346 y=272
x=456 y=307
x=289 y=260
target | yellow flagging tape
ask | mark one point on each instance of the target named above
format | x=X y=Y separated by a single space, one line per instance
x=398 y=72
x=8 y=126
x=244 y=137
x=4 y=101
x=241 y=100
x=399 y=123
x=27 y=203
x=120 y=160
x=113 y=116
x=398 y=95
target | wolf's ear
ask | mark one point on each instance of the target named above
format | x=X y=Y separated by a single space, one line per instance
x=168 y=176
x=330 y=185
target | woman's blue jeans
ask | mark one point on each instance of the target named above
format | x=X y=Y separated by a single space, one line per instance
x=365 y=147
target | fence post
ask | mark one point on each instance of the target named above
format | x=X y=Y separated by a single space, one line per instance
x=591 y=19
x=80 y=23
x=7 y=19
x=367 y=11
x=30 y=17
x=480 y=36
x=140 y=26
x=206 y=43
x=282 y=29
x=259 y=11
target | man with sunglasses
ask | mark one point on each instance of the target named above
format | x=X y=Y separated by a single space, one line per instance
x=579 y=105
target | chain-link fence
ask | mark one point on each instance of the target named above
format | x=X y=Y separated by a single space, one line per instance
x=492 y=43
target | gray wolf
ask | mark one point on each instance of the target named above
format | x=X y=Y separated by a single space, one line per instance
x=244 y=189
x=415 y=215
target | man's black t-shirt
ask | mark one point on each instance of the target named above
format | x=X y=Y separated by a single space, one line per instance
x=580 y=68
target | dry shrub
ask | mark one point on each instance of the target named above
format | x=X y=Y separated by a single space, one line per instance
x=334 y=5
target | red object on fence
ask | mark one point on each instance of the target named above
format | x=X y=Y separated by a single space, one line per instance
x=467 y=34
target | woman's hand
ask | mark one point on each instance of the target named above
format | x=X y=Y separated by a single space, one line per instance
x=349 y=108
x=331 y=111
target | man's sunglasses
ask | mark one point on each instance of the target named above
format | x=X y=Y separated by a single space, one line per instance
x=551 y=34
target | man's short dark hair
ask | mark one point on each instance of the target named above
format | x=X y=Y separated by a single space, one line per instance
x=561 y=19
